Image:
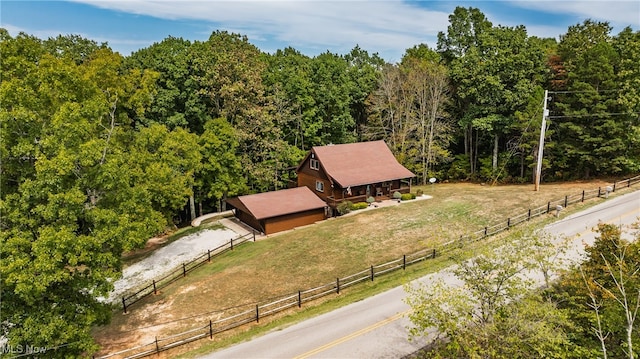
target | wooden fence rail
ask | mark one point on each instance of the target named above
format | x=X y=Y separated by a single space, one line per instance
x=182 y=271
x=263 y=310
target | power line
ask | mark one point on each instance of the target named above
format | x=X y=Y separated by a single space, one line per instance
x=596 y=115
x=585 y=91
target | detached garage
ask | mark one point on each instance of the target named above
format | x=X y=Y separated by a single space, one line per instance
x=278 y=211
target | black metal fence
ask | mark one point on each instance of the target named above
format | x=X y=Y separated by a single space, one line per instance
x=181 y=272
x=239 y=316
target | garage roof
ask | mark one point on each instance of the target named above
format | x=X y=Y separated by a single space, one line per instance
x=277 y=203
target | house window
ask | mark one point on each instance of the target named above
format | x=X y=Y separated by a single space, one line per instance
x=319 y=186
x=314 y=164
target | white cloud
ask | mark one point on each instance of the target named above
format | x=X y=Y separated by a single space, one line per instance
x=125 y=46
x=619 y=13
x=382 y=26
x=388 y=27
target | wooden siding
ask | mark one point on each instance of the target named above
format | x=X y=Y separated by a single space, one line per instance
x=290 y=221
x=249 y=219
x=305 y=179
x=307 y=170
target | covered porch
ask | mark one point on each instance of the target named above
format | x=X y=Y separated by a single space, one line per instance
x=379 y=191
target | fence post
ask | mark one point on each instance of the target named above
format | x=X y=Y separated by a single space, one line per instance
x=629 y=183
x=337 y=285
x=231 y=243
x=508 y=223
x=372 y=273
x=124 y=305
x=614 y=186
x=157 y=347
x=184 y=270
x=209 y=255
x=210 y=329
x=582 y=196
x=155 y=291
x=434 y=253
x=598 y=192
x=254 y=235
x=548 y=206
x=404 y=261
x=299 y=299
x=566 y=201
x=529 y=215
x=485 y=231
x=257 y=314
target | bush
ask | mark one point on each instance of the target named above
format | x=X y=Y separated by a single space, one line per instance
x=370 y=199
x=397 y=195
x=419 y=192
x=408 y=196
x=459 y=169
x=344 y=207
x=359 y=205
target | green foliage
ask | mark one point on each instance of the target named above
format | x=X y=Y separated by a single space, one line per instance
x=80 y=186
x=407 y=196
x=344 y=207
x=459 y=169
x=419 y=192
x=332 y=90
x=397 y=195
x=220 y=174
x=601 y=294
x=409 y=112
x=492 y=313
x=370 y=199
x=359 y=205
x=177 y=101
x=594 y=118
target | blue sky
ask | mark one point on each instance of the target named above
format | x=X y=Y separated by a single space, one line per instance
x=387 y=27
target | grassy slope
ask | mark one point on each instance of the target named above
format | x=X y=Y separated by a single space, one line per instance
x=317 y=254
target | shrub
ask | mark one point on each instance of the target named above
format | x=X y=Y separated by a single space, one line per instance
x=408 y=196
x=397 y=195
x=359 y=205
x=459 y=169
x=370 y=199
x=419 y=192
x=344 y=207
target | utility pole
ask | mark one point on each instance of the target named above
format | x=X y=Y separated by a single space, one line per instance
x=543 y=127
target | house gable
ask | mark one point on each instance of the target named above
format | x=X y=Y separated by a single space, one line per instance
x=354 y=164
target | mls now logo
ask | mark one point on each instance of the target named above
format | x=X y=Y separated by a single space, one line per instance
x=22 y=349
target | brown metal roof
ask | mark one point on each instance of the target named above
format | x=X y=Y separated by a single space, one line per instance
x=278 y=203
x=361 y=163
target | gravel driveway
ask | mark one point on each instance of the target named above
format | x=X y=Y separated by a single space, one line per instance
x=167 y=259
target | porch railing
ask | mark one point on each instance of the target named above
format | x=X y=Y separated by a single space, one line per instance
x=333 y=202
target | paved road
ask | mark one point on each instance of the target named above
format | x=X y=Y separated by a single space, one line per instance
x=376 y=327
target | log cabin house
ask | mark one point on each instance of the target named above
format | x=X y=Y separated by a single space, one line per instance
x=353 y=172
x=327 y=176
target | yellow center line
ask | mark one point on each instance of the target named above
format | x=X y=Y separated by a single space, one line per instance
x=352 y=335
x=611 y=221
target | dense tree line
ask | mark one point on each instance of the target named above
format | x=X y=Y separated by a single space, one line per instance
x=100 y=152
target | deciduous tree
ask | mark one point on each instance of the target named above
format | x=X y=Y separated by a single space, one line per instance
x=492 y=314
